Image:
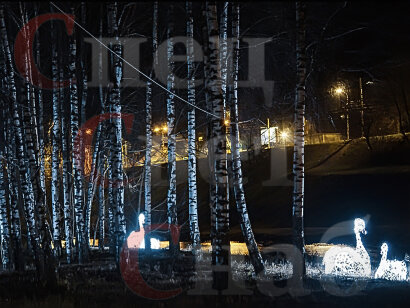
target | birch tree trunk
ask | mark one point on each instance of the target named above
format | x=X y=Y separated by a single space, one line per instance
x=82 y=247
x=40 y=127
x=26 y=188
x=101 y=206
x=192 y=184
x=100 y=164
x=212 y=188
x=30 y=139
x=115 y=101
x=4 y=222
x=299 y=137
x=220 y=242
x=172 y=189
x=148 y=128
x=55 y=137
x=224 y=48
x=13 y=199
x=67 y=208
x=254 y=254
x=84 y=95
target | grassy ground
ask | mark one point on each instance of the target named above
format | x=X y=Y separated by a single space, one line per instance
x=342 y=182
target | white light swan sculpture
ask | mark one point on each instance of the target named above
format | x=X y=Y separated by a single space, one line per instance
x=349 y=261
x=138 y=236
x=390 y=269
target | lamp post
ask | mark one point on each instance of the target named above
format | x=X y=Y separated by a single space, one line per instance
x=339 y=91
x=362 y=106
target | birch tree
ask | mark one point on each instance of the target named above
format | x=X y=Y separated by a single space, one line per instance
x=172 y=189
x=115 y=102
x=100 y=164
x=40 y=122
x=299 y=135
x=13 y=196
x=192 y=183
x=82 y=247
x=4 y=222
x=27 y=191
x=55 y=138
x=30 y=139
x=212 y=189
x=220 y=243
x=239 y=191
x=148 y=127
x=67 y=208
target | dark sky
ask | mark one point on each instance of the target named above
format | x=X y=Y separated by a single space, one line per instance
x=365 y=36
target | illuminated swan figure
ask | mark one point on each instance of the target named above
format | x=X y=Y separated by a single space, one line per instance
x=390 y=269
x=138 y=236
x=348 y=261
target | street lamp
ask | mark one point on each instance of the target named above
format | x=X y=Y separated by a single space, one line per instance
x=284 y=136
x=162 y=130
x=339 y=91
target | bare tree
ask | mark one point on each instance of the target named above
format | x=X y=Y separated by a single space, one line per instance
x=299 y=135
x=220 y=242
x=192 y=184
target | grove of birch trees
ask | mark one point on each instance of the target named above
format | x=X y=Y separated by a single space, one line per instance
x=48 y=219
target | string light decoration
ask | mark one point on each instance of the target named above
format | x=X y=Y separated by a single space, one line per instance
x=349 y=261
x=390 y=269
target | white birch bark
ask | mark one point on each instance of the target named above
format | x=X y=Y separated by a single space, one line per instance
x=212 y=189
x=4 y=222
x=82 y=247
x=192 y=183
x=299 y=135
x=30 y=139
x=101 y=206
x=172 y=188
x=224 y=48
x=40 y=128
x=67 y=200
x=13 y=196
x=148 y=127
x=26 y=188
x=115 y=103
x=55 y=137
x=220 y=243
x=100 y=164
x=254 y=254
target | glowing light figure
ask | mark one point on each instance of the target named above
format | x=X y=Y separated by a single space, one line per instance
x=137 y=237
x=349 y=261
x=390 y=269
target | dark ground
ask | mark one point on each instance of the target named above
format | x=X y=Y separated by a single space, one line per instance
x=354 y=182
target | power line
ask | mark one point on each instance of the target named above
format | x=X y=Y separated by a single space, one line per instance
x=132 y=66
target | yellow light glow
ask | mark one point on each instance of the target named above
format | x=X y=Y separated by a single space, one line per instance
x=339 y=90
x=89 y=131
x=156 y=129
x=227 y=122
x=165 y=128
x=200 y=138
x=284 y=135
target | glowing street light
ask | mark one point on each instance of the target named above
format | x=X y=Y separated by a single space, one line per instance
x=156 y=129
x=339 y=90
x=284 y=135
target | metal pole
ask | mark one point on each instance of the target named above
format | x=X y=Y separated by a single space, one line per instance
x=362 y=106
x=268 y=135
x=347 y=118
